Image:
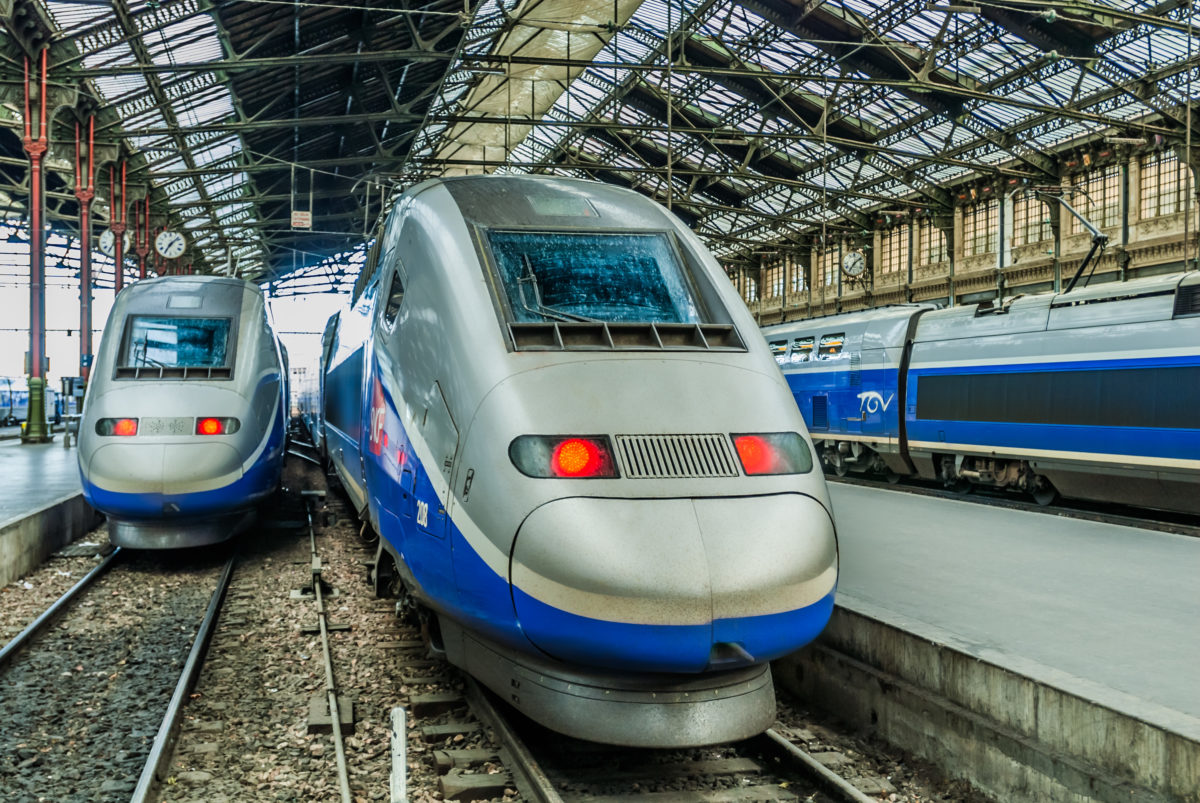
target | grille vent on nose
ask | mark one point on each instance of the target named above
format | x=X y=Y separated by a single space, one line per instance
x=676 y=456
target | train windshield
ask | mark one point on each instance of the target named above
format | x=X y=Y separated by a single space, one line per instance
x=176 y=343
x=571 y=276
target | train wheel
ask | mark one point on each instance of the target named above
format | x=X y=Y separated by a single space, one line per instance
x=1044 y=493
x=892 y=477
x=382 y=574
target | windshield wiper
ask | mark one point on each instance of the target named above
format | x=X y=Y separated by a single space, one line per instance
x=538 y=308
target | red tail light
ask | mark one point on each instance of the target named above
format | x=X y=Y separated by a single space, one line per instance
x=217 y=426
x=576 y=458
x=773 y=453
x=124 y=427
x=571 y=457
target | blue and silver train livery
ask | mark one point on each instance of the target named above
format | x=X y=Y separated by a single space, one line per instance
x=1091 y=394
x=183 y=425
x=556 y=411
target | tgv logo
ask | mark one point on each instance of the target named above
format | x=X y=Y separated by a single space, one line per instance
x=378 y=415
x=872 y=401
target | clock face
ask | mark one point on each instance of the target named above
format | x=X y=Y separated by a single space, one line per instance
x=854 y=264
x=108 y=243
x=169 y=244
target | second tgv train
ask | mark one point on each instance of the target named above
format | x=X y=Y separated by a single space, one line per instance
x=1092 y=394
x=183 y=429
x=14 y=401
x=560 y=418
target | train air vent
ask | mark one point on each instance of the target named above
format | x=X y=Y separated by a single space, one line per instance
x=621 y=336
x=820 y=412
x=855 y=370
x=172 y=372
x=676 y=456
x=1187 y=301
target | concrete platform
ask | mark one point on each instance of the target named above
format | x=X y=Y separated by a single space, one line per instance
x=41 y=505
x=1040 y=657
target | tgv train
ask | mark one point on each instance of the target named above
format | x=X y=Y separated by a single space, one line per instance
x=183 y=423
x=14 y=401
x=1092 y=394
x=556 y=411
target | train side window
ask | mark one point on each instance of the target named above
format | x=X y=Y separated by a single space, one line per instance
x=802 y=350
x=831 y=346
x=779 y=350
x=394 y=297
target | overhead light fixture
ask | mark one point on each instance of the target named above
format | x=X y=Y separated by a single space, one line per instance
x=1125 y=140
x=487 y=71
x=952 y=9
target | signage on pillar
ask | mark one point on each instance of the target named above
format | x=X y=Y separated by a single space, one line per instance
x=301 y=220
x=85 y=360
x=29 y=364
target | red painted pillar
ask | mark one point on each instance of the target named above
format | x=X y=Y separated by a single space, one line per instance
x=85 y=191
x=141 y=235
x=118 y=225
x=35 y=146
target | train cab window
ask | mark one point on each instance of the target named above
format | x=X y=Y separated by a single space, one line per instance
x=802 y=350
x=394 y=297
x=157 y=342
x=595 y=277
x=779 y=350
x=831 y=346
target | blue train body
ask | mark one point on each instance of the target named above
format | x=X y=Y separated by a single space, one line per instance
x=1090 y=394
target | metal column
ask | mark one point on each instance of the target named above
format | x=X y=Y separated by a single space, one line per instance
x=118 y=224
x=35 y=147
x=85 y=191
x=141 y=235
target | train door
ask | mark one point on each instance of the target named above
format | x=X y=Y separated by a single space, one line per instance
x=441 y=434
x=875 y=395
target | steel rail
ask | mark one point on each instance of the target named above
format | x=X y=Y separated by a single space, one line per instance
x=160 y=751
x=50 y=613
x=830 y=780
x=330 y=685
x=533 y=781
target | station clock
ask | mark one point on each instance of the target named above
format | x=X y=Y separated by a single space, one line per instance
x=169 y=244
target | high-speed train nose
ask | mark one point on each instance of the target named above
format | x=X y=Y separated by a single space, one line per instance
x=147 y=480
x=674 y=585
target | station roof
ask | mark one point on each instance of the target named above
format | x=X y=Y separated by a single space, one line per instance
x=755 y=120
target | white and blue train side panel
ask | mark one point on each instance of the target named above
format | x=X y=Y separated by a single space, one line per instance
x=1094 y=392
x=8 y=389
x=184 y=425
x=846 y=373
x=558 y=414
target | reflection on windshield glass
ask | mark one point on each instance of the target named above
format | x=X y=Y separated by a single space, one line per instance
x=176 y=343
x=552 y=276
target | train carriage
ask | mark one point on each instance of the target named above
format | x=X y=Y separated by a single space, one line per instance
x=1090 y=394
x=549 y=403
x=183 y=428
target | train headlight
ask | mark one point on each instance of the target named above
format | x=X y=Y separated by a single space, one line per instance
x=217 y=426
x=117 y=426
x=773 y=453
x=567 y=456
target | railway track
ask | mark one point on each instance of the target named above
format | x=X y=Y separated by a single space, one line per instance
x=88 y=682
x=511 y=757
